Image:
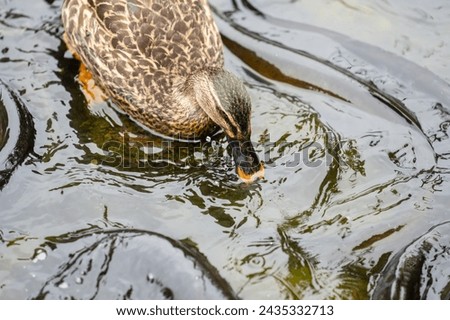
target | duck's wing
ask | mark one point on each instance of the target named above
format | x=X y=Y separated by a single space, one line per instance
x=160 y=38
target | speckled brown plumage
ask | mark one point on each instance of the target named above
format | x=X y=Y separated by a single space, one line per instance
x=145 y=53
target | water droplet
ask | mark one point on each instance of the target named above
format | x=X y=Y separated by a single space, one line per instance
x=79 y=280
x=150 y=278
x=40 y=255
x=63 y=285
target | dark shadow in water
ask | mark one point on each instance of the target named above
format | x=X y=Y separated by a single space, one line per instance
x=418 y=271
x=4 y=130
x=128 y=264
x=24 y=143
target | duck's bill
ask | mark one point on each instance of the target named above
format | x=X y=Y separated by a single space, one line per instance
x=248 y=166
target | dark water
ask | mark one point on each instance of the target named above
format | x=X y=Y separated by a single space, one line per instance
x=351 y=116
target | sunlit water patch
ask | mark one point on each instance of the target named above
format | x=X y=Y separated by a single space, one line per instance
x=353 y=133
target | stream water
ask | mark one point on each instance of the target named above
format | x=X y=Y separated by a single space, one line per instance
x=351 y=112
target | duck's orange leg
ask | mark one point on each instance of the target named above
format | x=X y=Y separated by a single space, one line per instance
x=91 y=91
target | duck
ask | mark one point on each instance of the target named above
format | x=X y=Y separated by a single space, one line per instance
x=162 y=63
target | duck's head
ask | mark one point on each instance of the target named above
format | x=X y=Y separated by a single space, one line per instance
x=224 y=99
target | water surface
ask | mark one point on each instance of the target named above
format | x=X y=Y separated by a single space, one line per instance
x=351 y=113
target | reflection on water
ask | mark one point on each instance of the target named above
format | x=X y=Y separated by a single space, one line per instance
x=419 y=271
x=15 y=145
x=4 y=131
x=161 y=268
x=354 y=136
